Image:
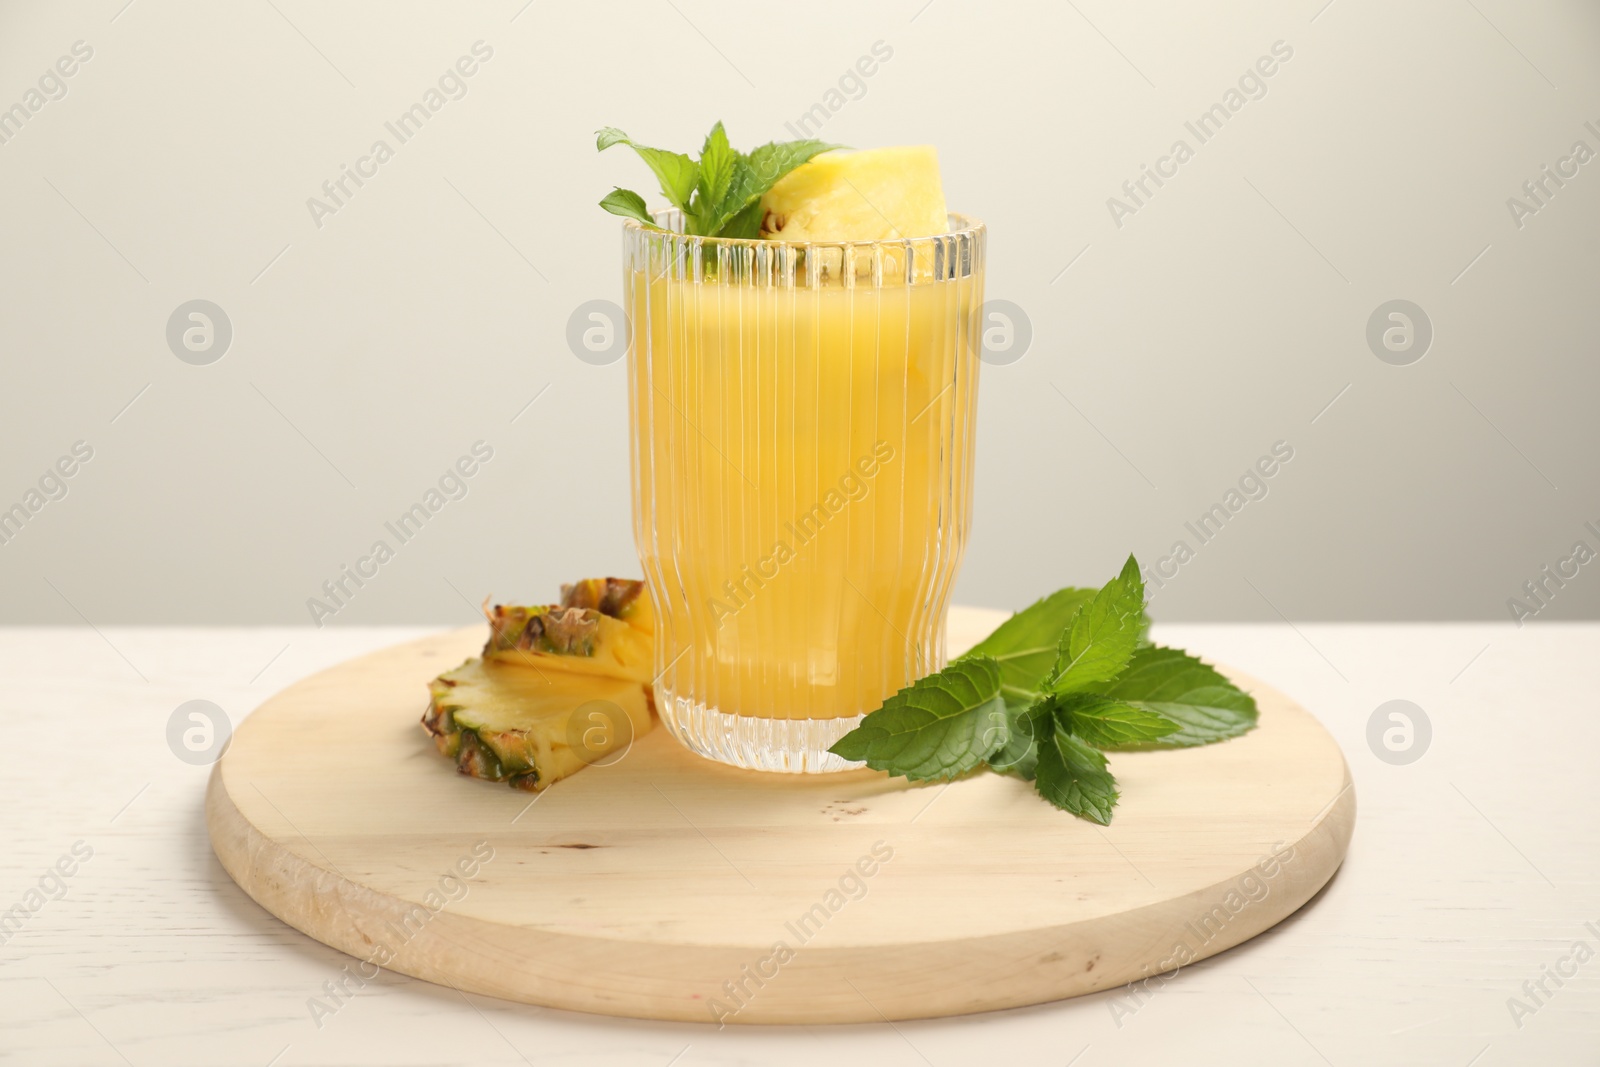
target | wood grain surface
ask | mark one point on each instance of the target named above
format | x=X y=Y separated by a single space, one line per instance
x=666 y=886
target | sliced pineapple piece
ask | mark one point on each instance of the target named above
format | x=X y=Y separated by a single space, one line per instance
x=531 y=727
x=602 y=626
x=873 y=195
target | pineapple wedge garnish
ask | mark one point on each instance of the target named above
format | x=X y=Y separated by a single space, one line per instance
x=531 y=727
x=602 y=626
x=558 y=687
x=876 y=194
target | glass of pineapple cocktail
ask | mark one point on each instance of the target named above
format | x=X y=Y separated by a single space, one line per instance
x=802 y=430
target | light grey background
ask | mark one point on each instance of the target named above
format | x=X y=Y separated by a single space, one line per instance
x=1169 y=353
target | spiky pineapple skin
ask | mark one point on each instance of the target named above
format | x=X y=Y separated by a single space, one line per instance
x=621 y=598
x=602 y=626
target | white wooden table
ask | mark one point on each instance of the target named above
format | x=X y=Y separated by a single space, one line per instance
x=1474 y=870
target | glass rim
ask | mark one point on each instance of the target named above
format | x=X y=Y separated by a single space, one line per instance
x=962 y=226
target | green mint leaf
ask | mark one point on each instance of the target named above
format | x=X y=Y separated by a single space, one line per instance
x=1025 y=644
x=1106 y=723
x=628 y=204
x=734 y=200
x=758 y=172
x=745 y=226
x=716 y=171
x=937 y=727
x=1073 y=776
x=1179 y=687
x=1103 y=635
x=677 y=173
x=775 y=159
x=1019 y=756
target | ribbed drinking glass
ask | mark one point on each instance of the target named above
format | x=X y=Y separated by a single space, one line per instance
x=802 y=432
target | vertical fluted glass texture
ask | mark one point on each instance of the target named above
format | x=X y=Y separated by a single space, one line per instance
x=802 y=431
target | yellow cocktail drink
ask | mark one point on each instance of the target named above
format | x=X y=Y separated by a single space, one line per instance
x=802 y=422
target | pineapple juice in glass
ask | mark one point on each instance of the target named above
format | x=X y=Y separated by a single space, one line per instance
x=802 y=432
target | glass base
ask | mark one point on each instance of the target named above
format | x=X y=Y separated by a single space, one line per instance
x=794 y=746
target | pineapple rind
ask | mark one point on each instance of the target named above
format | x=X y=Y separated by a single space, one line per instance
x=602 y=626
x=620 y=598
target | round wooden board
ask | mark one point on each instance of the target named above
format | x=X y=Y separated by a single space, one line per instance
x=670 y=887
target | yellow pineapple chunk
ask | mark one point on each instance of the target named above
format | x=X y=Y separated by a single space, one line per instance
x=532 y=727
x=875 y=194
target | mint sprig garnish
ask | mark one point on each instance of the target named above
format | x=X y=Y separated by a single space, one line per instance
x=720 y=194
x=1046 y=694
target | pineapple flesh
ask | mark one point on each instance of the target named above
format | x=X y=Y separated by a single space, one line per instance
x=602 y=626
x=531 y=728
x=875 y=194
